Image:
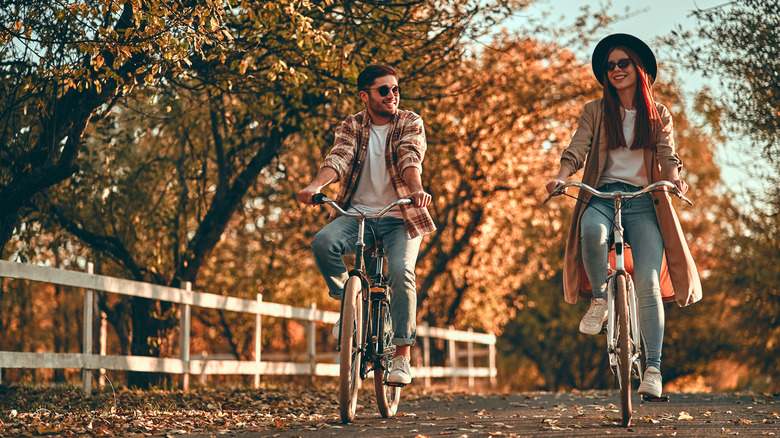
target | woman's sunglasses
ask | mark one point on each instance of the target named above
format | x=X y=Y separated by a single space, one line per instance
x=384 y=89
x=622 y=63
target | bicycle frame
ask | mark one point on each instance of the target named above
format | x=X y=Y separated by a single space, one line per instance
x=369 y=352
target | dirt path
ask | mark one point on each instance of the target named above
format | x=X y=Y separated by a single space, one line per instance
x=586 y=414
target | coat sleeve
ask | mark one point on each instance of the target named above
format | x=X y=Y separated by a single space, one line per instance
x=574 y=156
x=665 y=148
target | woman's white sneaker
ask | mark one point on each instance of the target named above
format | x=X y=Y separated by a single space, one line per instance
x=400 y=372
x=594 y=319
x=652 y=384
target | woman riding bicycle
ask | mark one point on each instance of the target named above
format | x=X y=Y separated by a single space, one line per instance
x=625 y=142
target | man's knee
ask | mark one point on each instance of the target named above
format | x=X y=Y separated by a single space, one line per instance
x=321 y=243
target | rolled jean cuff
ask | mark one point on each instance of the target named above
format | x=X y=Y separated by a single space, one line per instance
x=403 y=341
x=336 y=295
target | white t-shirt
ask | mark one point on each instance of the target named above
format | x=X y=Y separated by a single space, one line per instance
x=374 y=190
x=623 y=164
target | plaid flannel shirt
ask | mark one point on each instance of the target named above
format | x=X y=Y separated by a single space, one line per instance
x=407 y=149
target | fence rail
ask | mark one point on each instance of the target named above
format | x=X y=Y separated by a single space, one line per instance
x=202 y=366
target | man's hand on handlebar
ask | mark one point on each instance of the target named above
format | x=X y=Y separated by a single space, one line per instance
x=420 y=198
x=307 y=193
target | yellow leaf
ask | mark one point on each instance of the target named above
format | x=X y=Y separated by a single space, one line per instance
x=684 y=416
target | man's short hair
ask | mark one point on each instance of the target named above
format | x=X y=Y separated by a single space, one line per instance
x=371 y=73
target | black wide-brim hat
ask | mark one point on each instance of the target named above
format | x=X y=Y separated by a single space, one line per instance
x=642 y=50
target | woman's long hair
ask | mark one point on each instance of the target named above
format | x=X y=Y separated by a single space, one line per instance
x=648 y=121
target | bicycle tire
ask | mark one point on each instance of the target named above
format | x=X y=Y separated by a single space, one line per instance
x=624 y=353
x=349 y=356
x=637 y=344
x=387 y=397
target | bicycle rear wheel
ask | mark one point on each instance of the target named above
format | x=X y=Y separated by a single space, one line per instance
x=623 y=345
x=351 y=329
x=387 y=397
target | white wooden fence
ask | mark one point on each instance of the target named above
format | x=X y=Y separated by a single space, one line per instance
x=187 y=365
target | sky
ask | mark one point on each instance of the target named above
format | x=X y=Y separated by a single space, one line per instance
x=648 y=20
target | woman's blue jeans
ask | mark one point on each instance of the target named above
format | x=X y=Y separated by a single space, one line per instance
x=642 y=233
x=339 y=238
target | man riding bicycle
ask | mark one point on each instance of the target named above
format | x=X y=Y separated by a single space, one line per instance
x=377 y=155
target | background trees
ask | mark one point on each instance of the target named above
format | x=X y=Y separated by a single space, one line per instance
x=736 y=44
x=197 y=126
x=197 y=105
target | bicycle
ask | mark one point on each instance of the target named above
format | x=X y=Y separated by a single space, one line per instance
x=366 y=345
x=624 y=347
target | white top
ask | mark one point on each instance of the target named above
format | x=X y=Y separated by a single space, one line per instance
x=374 y=190
x=623 y=164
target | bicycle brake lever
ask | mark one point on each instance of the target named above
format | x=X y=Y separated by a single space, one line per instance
x=556 y=191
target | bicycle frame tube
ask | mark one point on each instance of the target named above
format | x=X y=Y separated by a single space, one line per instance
x=360 y=245
x=620 y=261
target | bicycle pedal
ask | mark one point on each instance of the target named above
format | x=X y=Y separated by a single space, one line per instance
x=651 y=399
x=398 y=385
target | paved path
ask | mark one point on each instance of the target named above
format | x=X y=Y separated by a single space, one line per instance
x=586 y=414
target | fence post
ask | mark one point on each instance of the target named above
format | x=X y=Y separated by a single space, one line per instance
x=492 y=364
x=312 y=341
x=86 y=349
x=184 y=338
x=427 y=353
x=258 y=343
x=452 y=353
x=103 y=343
x=470 y=351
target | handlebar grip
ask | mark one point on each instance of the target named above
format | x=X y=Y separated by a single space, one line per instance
x=319 y=198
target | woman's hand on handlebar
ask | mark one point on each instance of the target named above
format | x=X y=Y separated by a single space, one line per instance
x=680 y=184
x=552 y=185
x=420 y=198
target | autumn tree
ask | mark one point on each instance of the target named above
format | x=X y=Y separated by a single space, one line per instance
x=65 y=66
x=488 y=142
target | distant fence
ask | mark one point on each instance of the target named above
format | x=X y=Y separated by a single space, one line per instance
x=203 y=365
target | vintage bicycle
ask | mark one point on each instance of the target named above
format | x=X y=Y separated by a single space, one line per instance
x=365 y=334
x=624 y=338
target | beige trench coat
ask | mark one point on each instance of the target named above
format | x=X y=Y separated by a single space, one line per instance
x=679 y=271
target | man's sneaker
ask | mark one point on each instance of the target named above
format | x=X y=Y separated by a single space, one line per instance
x=337 y=328
x=594 y=319
x=651 y=383
x=400 y=371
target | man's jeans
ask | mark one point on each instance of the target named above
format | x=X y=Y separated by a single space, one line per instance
x=340 y=237
x=642 y=233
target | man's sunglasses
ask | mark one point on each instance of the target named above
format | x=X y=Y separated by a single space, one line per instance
x=384 y=89
x=622 y=63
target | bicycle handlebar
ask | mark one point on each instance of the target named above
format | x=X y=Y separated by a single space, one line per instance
x=665 y=185
x=320 y=198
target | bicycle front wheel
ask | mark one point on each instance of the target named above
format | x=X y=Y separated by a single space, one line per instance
x=623 y=345
x=351 y=329
x=387 y=397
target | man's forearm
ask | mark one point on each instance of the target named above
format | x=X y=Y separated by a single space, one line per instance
x=413 y=179
x=325 y=176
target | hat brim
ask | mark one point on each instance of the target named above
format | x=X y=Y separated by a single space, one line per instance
x=639 y=47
